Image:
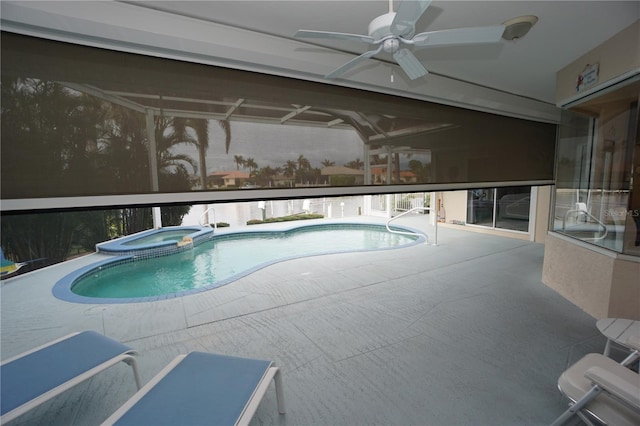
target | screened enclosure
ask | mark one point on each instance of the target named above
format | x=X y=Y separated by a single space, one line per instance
x=85 y=122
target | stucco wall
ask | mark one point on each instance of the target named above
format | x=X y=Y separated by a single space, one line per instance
x=602 y=284
x=624 y=301
x=543 y=207
x=617 y=56
x=455 y=204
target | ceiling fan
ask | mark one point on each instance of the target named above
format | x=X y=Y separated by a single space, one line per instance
x=394 y=31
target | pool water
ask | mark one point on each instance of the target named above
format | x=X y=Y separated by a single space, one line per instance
x=229 y=257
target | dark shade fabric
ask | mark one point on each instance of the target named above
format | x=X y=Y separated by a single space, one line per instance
x=56 y=143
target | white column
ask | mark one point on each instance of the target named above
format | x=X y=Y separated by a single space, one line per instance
x=389 y=153
x=153 y=165
x=157 y=218
x=533 y=207
x=367 y=165
x=433 y=205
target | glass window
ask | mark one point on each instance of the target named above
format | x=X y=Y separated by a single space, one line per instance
x=512 y=208
x=480 y=207
x=597 y=196
x=504 y=208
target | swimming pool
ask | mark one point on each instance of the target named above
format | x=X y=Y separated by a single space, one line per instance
x=220 y=260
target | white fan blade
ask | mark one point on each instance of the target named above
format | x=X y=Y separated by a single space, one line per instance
x=332 y=35
x=459 y=36
x=408 y=13
x=409 y=63
x=353 y=62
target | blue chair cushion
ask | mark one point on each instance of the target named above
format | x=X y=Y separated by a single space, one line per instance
x=28 y=377
x=203 y=388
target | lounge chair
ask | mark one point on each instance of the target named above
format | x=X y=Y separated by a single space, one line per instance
x=603 y=390
x=8 y=267
x=202 y=388
x=34 y=377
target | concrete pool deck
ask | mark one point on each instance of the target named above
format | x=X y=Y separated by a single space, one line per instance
x=463 y=333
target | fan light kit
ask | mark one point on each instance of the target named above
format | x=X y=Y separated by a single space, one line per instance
x=518 y=27
x=394 y=31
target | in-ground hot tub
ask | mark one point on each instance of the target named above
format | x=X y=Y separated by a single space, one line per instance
x=157 y=242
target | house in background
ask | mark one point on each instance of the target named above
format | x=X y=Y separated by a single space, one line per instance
x=342 y=176
x=234 y=178
x=379 y=175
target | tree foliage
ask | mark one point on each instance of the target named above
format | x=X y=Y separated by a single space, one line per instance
x=58 y=142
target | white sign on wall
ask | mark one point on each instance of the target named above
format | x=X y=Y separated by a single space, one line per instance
x=588 y=77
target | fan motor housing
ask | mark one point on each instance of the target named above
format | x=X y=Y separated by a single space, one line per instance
x=381 y=27
x=391 y=45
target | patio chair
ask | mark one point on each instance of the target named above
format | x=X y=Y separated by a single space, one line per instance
x=202 y=388
x=9 y=267
x=36 y=376
x=602 y=390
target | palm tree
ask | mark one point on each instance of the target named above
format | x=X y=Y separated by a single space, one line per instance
x=239 y=160
x=328 y=163
x=174 y=131
x=201 y=128
x=289 y=169
x=303 y=163
x=304 y=167
x=355 y=164
x=265 y=175
x=251 y=164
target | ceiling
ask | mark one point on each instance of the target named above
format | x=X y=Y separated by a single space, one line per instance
x=525 y=67
x=515 y=78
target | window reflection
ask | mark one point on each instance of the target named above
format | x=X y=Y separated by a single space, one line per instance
x=480 y=207
x=598 y=196
x=504 y=208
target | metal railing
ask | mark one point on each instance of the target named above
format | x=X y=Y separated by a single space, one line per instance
x=578 y=212
x=404 y=202
x=427 y=209
x=206 y=215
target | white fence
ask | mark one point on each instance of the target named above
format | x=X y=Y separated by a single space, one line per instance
x=392 y=204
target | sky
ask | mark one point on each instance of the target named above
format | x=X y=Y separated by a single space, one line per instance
x=272 y=145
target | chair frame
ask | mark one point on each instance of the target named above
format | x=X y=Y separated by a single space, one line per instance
x=271 y=373
x=579 y=407
x=128 y=357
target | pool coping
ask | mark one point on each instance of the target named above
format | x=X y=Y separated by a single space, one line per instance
x=62 y=289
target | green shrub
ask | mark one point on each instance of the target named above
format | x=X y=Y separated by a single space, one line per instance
x=302 y=216
x=342 y=180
